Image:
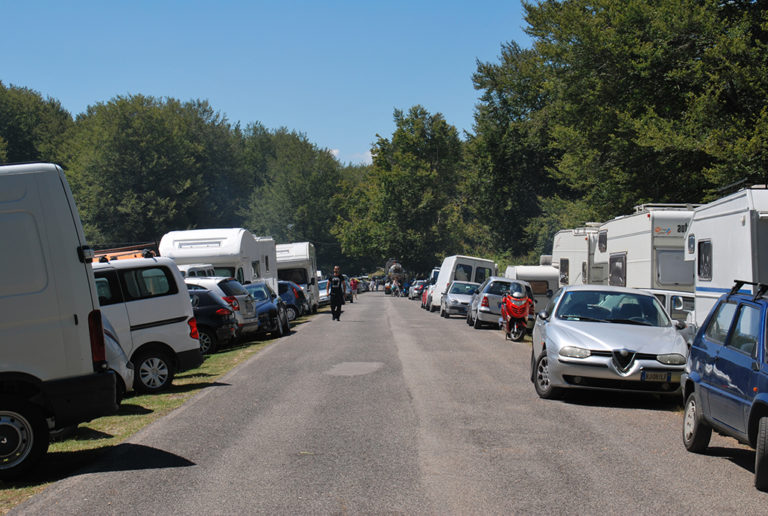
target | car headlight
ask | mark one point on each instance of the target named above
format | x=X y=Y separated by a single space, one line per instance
x=671 y=359
x=574 y=352
x=454 y=301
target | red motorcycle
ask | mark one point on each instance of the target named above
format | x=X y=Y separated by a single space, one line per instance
x=515 y=307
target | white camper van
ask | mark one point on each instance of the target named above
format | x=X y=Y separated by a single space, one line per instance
x=543 y=280
x=646 y=250
x=459 y=268
x=233 y=252
x=573 y=252
x=727 y=239
x=54 y=371
x=296 y=262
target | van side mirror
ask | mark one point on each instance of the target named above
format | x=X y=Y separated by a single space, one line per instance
x=311 y=281
x=550 y=293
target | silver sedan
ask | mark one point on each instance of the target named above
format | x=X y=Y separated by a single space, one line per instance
x=457 y=299
x=614 y=338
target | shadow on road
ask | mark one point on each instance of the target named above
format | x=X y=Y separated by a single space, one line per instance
x=739 y=456
x=624 y=400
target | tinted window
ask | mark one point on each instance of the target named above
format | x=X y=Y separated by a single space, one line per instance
x=564 y=271
x=298 y=275
x=602 y=241
x=228 y=272
x=717 y=330
x=617 y=265
x=747 y=330
x=705 y=260
x=147 y=283
x=233 y=288
x=463 y=273
x=108 y=288
x=481 y=273
x=282 y=288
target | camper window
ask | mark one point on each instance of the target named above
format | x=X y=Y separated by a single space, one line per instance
x=298 y=275
x=602 y=241
x=240 y=276
x=539 y=287
x=617 y=265
x=463 y=273
x=266 y=262
x=705 y=260
x=481 y=273
x=564 y=268
x=672 y=269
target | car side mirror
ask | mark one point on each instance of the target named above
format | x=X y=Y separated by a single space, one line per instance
x=311 y=281
x=550 y=293
x=543 y=315
x=680 y=325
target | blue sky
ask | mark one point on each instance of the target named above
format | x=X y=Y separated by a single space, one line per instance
x=333 y=70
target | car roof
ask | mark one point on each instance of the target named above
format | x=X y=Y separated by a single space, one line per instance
x=507 y=280
x=606 y=288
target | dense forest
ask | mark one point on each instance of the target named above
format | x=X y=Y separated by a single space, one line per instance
x=615 y=103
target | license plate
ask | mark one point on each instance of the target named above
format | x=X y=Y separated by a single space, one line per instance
x=651 y=376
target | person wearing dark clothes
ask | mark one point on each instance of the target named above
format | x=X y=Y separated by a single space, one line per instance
x=336 y=288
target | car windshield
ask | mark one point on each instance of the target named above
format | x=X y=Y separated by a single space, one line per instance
x=613 y=307
x=462 y=288
x=259 y=292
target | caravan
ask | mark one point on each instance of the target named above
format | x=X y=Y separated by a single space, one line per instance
x=296 y=262
x=727 y=240
x=233 y=252
x=645 y=250
x=543 y=280
x=573 y=252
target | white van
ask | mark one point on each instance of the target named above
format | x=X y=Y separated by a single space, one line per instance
x=296 y=262
x=543 y=279
x=233 y=252
x=459 y=268
x=148 y=304
x=53 y=371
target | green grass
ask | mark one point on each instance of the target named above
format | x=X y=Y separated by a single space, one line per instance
x=92 y=439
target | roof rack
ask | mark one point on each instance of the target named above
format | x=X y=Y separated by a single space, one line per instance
x=644 y=208
x=761 y=290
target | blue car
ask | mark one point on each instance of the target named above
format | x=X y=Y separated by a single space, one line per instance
x=271 y=310
x=295 y=301
x=725 y=384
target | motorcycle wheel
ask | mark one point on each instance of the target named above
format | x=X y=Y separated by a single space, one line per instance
x=518 y=332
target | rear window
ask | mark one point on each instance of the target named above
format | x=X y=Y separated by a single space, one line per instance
x=147 y=283
x=233 y=288
x=108 y=288
x=539 y=287
x=463 y=273
x=259 y=292
x=298 y=275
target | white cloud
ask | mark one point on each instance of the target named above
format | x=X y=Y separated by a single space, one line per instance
x=335 y=153
x=364 y=158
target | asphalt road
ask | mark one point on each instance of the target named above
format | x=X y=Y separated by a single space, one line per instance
x=395 y=410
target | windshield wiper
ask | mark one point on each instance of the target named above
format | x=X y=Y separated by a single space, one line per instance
x=630 y=321
x=581 y=318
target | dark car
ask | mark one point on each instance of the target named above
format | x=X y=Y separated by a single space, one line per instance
x=295 y=301
x=270 y=307
x=216 y=323
x=725 y=384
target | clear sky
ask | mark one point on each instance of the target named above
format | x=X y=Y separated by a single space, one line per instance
x=334 y=70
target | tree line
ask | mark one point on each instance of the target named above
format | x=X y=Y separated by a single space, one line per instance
x=615 y=103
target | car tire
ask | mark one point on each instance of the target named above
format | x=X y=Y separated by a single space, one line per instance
x=154 y=371
x=291 y=312
x=541 y=379
x=24 y=434
x=761 y=455
x=696 y=432
x=286 y=323
x=476 y=323
x=208 y=341
x=278 y=325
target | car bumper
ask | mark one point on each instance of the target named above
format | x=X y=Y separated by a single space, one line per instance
x=189 y=359
x=488 y=316
x=82 y=398
x=456 y=309
x=599 y=373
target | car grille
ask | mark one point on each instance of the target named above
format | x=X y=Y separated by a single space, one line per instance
x=630 y=385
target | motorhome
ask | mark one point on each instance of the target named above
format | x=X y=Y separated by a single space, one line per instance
x=573 y=252
x=543 y=280
x=54 y=371
x=459 y=268
x=296 y=262
x=646 y=250
x=233 y=252
x=727 y=240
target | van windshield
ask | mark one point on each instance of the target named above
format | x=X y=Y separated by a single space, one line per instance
x=227 y=272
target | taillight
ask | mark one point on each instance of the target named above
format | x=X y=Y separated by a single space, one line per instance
x=223 y=311
x=192 y=322
x=98 y=350
x=232 y=300
x=485 y=302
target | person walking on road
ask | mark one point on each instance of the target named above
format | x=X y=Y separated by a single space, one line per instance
x=336 y=288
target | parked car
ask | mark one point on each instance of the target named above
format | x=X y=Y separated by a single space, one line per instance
x=118 y=361
x=457 y=299
x=216 y=322
x=147 y=303
x=295 y=302
x=416 y=288
x=270 y=308
x=726 y=377
x=601 y=337
x=325 y=298
x=231 y=291
x=485 y=307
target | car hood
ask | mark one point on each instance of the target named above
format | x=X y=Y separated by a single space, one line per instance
x=612 y=336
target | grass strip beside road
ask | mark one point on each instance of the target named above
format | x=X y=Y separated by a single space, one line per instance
x=67 y=455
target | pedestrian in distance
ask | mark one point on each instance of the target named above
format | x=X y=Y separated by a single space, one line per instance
x=335 y=289
x=353 y=288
